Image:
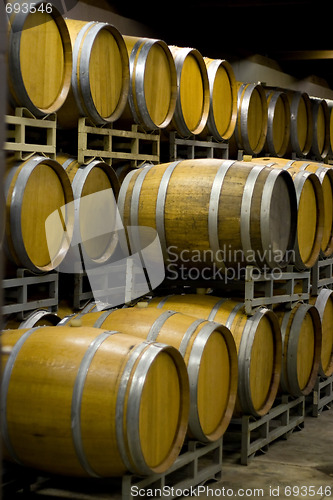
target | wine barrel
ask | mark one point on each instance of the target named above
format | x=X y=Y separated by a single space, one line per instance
x=278 y=123
x=301 y=122
x=84 y=402
x=192 y=103
x=35 y=189
x=39 y=60
x=99 y=237
x=100 y=75
x=222 y=115
x=39 y=317
x=330 y=109
x=252 y=118
x=233 y=214
x=315 y=208
x=209 y=352
x=321 y=128
x=258 y=342
x=301 y=347
x=324 y=304
x=153 y=83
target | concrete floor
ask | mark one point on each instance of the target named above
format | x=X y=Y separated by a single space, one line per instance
x=299 y=467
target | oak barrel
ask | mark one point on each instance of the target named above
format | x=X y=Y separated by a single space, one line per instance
x=153 y=83
x=301 y=347
x=88 y=402
x=100 y=75
x=95 y=216
x=209 y=352
x=222 y=115
x=39 y=60
x=219 y=212
x=278 y=123
x=314 y=188
x=324 y=304
x=192 y=103
x=258 y=342
x=35 y=189
x=252 y=118
x=301 y=122
x=320 y=147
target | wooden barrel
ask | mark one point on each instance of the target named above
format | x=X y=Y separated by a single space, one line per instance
x=324 y=304
x=209 y=352
x=35 y=189
x=252 y=118
x=301 y=122
x=301 y=346
x=278 y=123
x=258 y=342
x=88 y=402
x=233 y=214
x=321 y=128
x=153 y=83
x=99 y=237
x=314 y=210
x=39 y=317
x=39 y=60
x=100 y=76
x=222 y=115
x=192 y=103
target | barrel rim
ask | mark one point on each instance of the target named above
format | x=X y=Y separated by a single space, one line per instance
x=77 y=185
x=16 y=85
x=272 y=100
x=212 y=69
x=299 y=181
x=316 y=104
x=178 y=117
x=291 y=385
x=247 y=339
x=241 y=133
x=294 y=104
x=324 y=295
x=139 y=54
x=81 y=58
x=25 y=169
x=137 y=463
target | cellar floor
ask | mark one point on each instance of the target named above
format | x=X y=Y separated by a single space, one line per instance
x=300 y=466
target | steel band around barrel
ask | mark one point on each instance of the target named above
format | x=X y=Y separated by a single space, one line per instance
x=188 y=334
x=76 y=69
x=77 y=400
x=160 y=206
x=4 y=392
x=163 y=301
x=213 y=210
x=245 y=228
x=157 y=325
x=193 y=368
x=138 y=76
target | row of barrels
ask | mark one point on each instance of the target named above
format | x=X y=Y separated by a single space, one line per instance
x=90 y=69
x=105 y=392
x=267 y=212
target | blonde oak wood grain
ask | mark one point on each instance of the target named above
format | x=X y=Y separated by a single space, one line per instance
x=41 y=402
x=153 y=83
x=301 y=339
x=188 y=209
x=92 y=210
x=37 y=188
x=211 y=361
x=223 y=99
x=259 y=349
x=192 y=105
x=315 y=229
x=100 y=76
x=40 y=68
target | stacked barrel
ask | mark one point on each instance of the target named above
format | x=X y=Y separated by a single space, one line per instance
x=119 y=390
